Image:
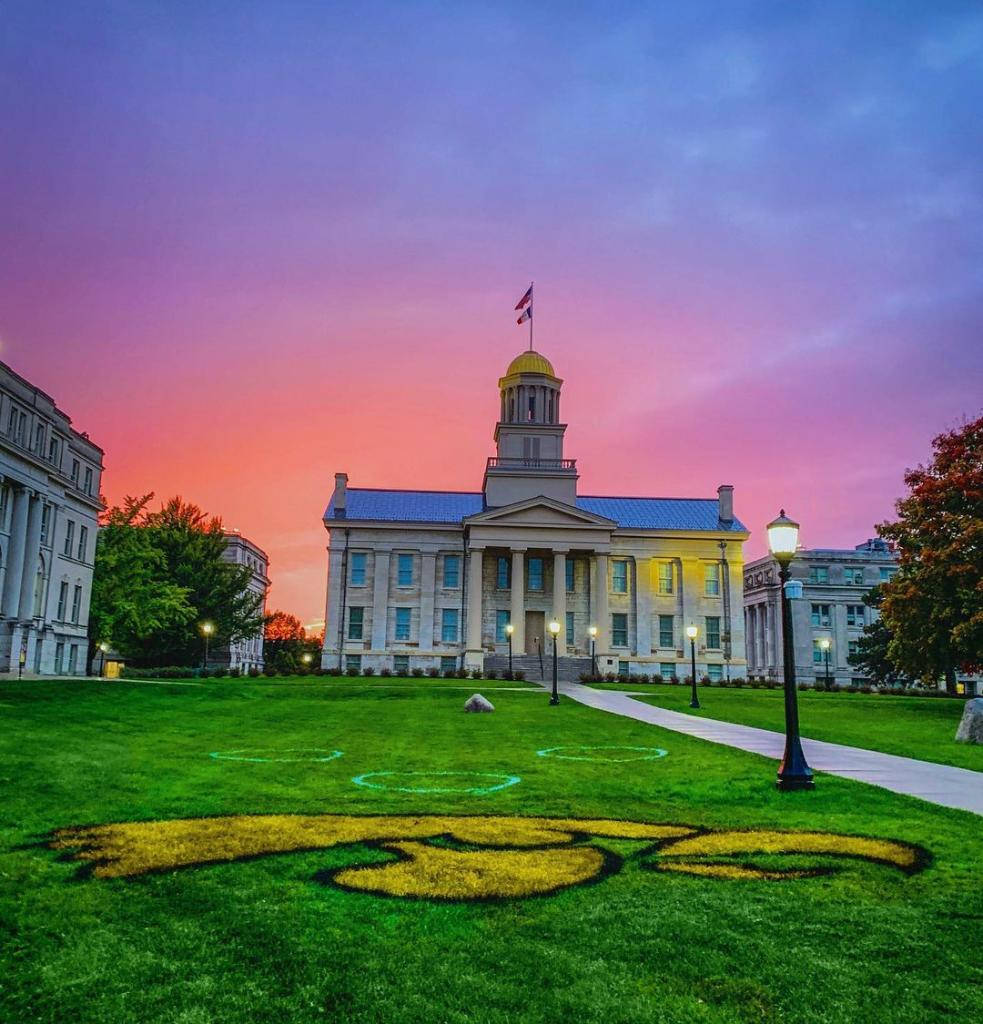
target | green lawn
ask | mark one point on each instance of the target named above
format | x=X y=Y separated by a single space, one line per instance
x=272 y=939
x=921 y=727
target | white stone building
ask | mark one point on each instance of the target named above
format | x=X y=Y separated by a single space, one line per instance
x=49 y=508
x=432 y=578
x=248 y=653
x=834 y=584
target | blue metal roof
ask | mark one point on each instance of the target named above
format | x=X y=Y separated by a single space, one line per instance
x=453 y=506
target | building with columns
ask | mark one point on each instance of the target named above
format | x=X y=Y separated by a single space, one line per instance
x=245 y=654
x=49 y=508
x=834 y=584
x=423 y=579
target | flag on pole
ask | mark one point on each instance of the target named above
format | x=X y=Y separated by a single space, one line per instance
x=525 y=300
x=526 y=315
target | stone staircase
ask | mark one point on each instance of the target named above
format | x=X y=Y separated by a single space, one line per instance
x=568 y=670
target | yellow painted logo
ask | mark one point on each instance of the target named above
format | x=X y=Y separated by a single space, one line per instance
x=467 y=858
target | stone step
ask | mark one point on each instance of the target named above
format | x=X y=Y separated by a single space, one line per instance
x=568 y=670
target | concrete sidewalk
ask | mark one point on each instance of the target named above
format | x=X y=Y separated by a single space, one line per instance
x=936 y=783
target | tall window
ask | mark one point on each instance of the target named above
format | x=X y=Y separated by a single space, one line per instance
x=404 y=571
x=76 y=467
x=854 y=576
x=569 y=627
x=402 y=624
x=45 y=522
x=819 y=574
x=713 y=632
x=502 y=619
x=666 y=638
x=356 y=619
x=820 y=615
x=619 y=629
x=452 y=571
x=83 y=542
x=76 y=604
x=39 y=438
x=503 y=573
x=818 y=655
x=4 y=501
x=73 y=659
x=853 y=648
x=59 y=659
x=665 y=577
x=88 y=480
x=62 y=601
x=855 y=615
x=358 y=569
x=535 y=574
x=711 y=579
x=571 y=578
x=619 y=576
x=69 y=537
x=53 y=450
x=448 y=625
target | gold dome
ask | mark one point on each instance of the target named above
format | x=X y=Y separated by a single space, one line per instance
x=530 y=362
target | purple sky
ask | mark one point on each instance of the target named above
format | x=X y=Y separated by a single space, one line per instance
x=246 y=245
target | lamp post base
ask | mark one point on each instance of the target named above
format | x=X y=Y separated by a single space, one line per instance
x=788 y=783
x=554 y=699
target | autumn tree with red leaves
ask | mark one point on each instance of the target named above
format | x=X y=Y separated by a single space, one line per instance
x=934 y=606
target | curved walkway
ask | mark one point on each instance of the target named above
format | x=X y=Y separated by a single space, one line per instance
x=936 y=783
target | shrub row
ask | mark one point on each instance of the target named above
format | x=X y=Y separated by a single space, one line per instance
x=759 y=684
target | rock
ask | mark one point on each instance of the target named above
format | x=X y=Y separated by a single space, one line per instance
x=478 y=703
x=971 y=727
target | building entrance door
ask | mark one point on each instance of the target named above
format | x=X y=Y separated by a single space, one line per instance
x=535 y=632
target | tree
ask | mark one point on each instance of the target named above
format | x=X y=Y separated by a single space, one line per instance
x=934 y=606
x=180 y=550
x=285 y=642
x=131 y=597
x=872 y=658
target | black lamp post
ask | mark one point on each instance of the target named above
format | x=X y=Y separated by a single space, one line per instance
x=555 y=630
x=509 y=630
x=691 y=632
x=793 y=772
x=825 y=645
x=207 y=628
x=593 y=657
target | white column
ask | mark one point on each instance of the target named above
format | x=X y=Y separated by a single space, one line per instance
x=15 y=555
x=517 y=612
x=643 y=607
x=31 y=551
x=560 y=597
x=602 y=617
x=428 y=575
x=332 y=611
x=474 y=600
x=380 y=599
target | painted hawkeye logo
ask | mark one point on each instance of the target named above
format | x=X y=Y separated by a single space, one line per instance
x=445 y=857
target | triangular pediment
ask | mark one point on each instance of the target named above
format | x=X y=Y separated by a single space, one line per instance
x=540 y=511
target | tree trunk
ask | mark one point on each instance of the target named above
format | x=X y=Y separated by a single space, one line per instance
x=950 y=677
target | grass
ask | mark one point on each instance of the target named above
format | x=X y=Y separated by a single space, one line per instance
x=262 y=940
x=919 y=727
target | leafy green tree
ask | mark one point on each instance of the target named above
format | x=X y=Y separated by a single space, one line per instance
x=286 y=642
x=872 y=658
x=934 y=606
x=179 y=550
x=131 y=596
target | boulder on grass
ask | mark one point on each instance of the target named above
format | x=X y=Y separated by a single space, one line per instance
x=971 y=727
x=478 y=703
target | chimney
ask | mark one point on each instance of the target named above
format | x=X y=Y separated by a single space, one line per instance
x=339 y=500
x=725 y=501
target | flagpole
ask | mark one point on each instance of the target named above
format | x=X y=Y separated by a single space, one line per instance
x=531 y=309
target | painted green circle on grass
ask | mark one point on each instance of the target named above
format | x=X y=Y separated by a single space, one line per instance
x=584 y=753
x=258 y=756
x=415 y=782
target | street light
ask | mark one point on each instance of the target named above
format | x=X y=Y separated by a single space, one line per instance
x=103 y=647
x=509 y=630
x=306 y=658
x=825 y=645
x=207 y=628
x=691 y=632
x=793 y=772
x=554 y=628
x=593 y=659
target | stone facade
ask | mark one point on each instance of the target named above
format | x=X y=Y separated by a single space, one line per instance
x=50 y=476
x=429 y=579
x=248 y=653
x=834 y=584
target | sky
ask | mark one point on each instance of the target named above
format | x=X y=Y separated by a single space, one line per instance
x=247 y=245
